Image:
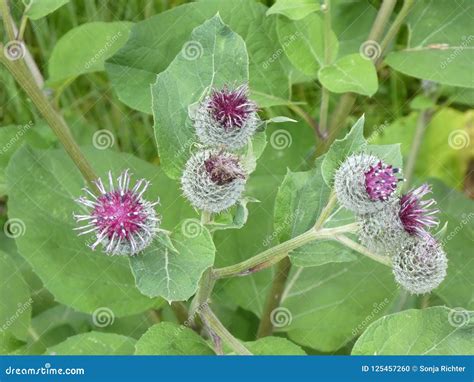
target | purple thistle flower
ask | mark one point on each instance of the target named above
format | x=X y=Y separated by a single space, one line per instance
x=231 y=108
x=123 y=222
x=416 y=214
x=226 y=118
x=380 y=181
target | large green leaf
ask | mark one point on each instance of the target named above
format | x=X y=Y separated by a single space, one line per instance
x=327 y=306
x=15 y=304
x=299 y=202
x=274 y=346
x=352 y=73
x=431 y=331
x=40 y=8
x=439 y=48
x=155 y=42
x=85 y=48
x=172 y=269
x=354 y=141
x=94 y=343
x=294 y=9
x=42 y=187
x=213 y=57
x=458 y=212
x=304 y=43
x=167 y=338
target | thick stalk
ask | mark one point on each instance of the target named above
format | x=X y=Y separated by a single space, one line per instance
x=275 y=254
x=382 y=19
x=216 y=327
x=323 y=109
x=25 y=79
x=6 y=16
x=201 y=299
x=274 y=297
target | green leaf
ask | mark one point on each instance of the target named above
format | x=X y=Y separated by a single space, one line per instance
x=155 y=42
x=447 y=135
x=458 y=211
x=15 y=305
x=431 y=331
x=304 y=43
x=75 y=275
x=274 y=346
x=12 y=137
x=213 y=57
x=299 y=202
x=172 y=267
x=388 y=153
x=94 y=343
x=439 y=48
x=331 y=304
x=294 y=9
x=234 y=219
x=84 y=49
x=353 y=142
x=352 y=73
x=167 y=338
x=41 y=8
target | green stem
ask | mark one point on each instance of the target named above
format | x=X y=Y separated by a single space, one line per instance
x=275 y=254
x=324 y=107
x=326 y=211
x=362 y=250
x=203 y=294
x=382 y=19
x=205 y=217
x=394 y=28
x=24 y=78
x=308 y=119
x=323 y=111
x=422 y=123
x=213 y=323
x=265 y=327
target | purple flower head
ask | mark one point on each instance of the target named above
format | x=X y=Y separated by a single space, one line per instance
x=223 y=169
x=231 y=108
x=380 y=181
x=416 y=214
x=122 y=221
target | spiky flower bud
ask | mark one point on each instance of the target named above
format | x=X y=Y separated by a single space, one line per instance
x=420 y=265
x=226 y=118
x=384 y=230
x=213 y=180
x=364 y=183
x=122 y=221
